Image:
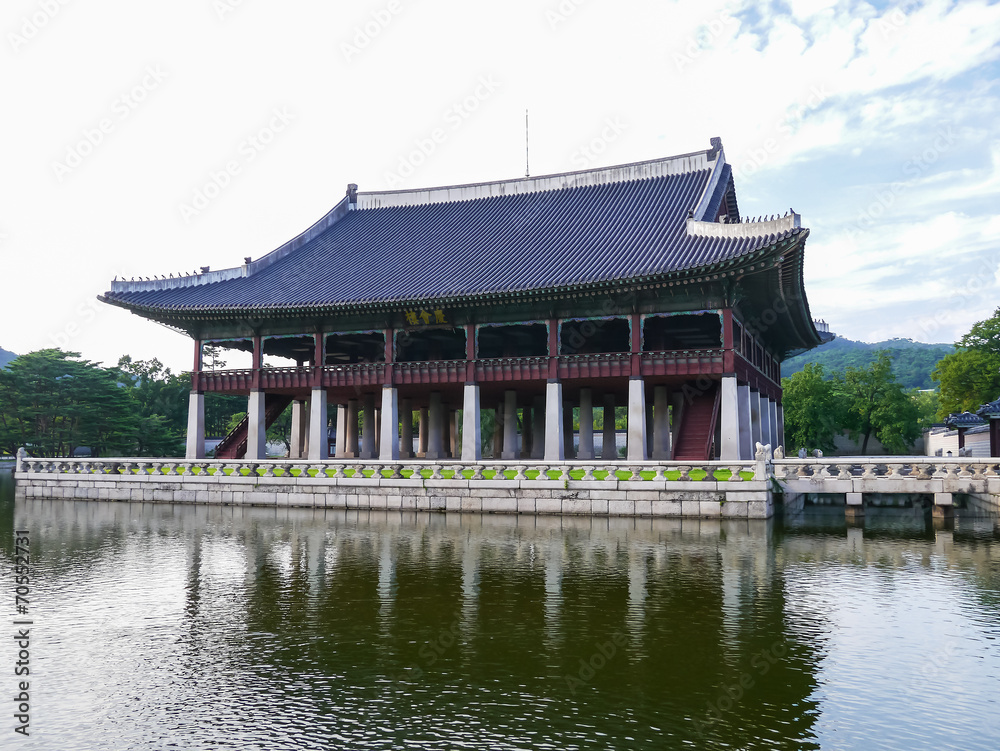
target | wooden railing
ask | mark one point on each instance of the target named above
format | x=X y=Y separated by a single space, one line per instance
x=588 y=366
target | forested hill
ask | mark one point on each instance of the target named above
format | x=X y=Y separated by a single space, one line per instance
x=912 y=362
x=5 y=357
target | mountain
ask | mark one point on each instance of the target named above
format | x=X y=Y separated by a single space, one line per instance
x=5 y=357
x=912 y=361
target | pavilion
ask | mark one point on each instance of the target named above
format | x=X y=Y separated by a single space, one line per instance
x=638 y=285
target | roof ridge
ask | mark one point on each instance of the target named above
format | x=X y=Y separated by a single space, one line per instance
x=643 y=170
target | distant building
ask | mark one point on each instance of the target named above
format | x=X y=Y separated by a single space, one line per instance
x=637 y=285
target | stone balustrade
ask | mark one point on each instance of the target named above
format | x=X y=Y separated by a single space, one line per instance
x=940 y=478
x=737 y=489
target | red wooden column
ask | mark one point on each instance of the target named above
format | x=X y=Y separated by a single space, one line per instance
x=196 y=370
x=390 y=356
x=728 y=357
x=258 y=362
x=470 y=352
x=553 y=349
x=319 y=359
x=636 y=337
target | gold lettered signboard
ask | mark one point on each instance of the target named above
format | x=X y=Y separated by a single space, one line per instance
x=423 y=317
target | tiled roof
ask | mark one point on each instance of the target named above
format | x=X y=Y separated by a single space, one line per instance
x=650 y=218
x=963 y=420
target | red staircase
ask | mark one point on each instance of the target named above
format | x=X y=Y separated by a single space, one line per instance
x=697 y=433
x=234 y=445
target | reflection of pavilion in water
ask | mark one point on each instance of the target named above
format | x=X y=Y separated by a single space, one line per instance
x=419 y=599
x=441 y=606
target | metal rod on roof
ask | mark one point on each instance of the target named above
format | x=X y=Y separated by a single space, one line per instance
x=527 y=169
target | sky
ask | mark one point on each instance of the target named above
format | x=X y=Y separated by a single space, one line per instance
x=147 y=138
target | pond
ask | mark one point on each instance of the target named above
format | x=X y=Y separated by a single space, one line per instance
x=157 y=626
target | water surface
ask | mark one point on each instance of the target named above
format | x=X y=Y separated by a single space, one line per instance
x=188 y=627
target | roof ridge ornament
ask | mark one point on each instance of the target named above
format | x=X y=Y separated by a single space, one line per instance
x=759 y=227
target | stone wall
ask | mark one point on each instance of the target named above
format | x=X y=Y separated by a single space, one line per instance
x=747 y=499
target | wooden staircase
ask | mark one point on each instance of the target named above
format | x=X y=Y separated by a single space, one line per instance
x=697 y=433
x=234 y=445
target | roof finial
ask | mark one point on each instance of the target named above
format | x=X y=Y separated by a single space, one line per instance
x=527 y=168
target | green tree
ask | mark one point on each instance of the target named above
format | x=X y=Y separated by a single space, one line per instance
x=927 y=406
x=812 y=412
x=971 y=376
x=160 y=401
x=53 y=403
x=877 y=405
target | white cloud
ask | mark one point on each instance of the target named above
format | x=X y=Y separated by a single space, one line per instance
x=831 y=99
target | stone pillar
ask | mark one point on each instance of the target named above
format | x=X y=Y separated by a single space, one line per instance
x=341 y=431
x=772 y=418
x=472 y=444
x=586 y=451
x=765 y=421
x=319 y=444
x=305 y=429
x=747 y=449
x=423 y=428
x=677 y=404
x=568 y=446
x=435 y=424
x=498 y=431
x=555 y=449
x=636 y=420
x=352 y=429
x=538 y=428
x=610 y=448
x=452 y=428
x=378 y=430
x=196 y=427
x=781 y=424
x=406 y=421
x=389 y=429
x=730 y=419
x=755 y=434
x=509 y=425
x=650 y=428
x=661 y=424
x=257 y=427
x=368 y=427
x=527 y=433
x=298 y=429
